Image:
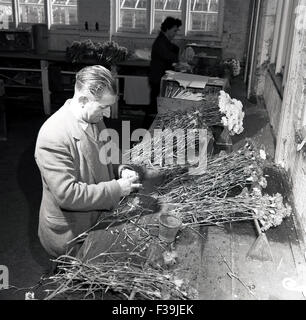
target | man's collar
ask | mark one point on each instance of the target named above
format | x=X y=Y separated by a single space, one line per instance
x=76 y=113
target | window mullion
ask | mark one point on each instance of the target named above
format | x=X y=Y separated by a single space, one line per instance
x=289 y=43
x=48 y=13
x=186 y=16
x=282 y=42
x=151 y=15
x=117 y=15
x=276 y=30
x=16 y=18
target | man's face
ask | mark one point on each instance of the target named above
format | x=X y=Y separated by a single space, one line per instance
x=94 y=110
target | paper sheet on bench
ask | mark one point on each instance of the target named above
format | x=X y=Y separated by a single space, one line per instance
x=189 y=80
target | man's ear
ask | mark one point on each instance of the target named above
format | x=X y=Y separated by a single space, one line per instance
x=83 y=100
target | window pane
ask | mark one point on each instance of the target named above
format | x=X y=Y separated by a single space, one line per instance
x=214 y=5
x=205 y=5
x=200 y=5
x=165 y=8
x=204 y=15
x=133 y=14
x=6 y=13
x=32 y=11
x=64 y=12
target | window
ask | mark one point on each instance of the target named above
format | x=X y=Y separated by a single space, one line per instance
x=58 y=12
x=133 y=14
x=64 y=12
x=282 y=40
x=204 y=15
x=6 y=13
x=198 y=16
x=165 y=8
x=31 y=11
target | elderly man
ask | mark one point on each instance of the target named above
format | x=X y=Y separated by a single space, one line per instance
x=76 y=184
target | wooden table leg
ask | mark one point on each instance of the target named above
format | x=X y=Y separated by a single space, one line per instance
x=45 y=86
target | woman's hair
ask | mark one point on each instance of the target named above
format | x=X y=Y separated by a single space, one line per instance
x=95 y=80
x=169 y=23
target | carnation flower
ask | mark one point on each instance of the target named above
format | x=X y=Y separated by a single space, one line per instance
x=263 y=154
x=233 y=114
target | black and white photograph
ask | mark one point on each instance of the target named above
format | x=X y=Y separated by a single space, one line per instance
x=153 y=153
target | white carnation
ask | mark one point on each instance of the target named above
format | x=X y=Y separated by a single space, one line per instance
x=232 y=109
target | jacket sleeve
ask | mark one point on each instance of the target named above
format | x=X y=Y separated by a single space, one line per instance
x=59 y=172
x=167 y=51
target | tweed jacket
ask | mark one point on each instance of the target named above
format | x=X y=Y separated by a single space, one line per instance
x=76 y=185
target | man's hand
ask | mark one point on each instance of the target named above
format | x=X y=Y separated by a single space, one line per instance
x=128 y=185
x=127 y=173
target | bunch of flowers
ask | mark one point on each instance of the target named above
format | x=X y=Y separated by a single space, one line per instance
x=234 y=66
x=233 y=114
x=222 y=176
x=107 y=53
x=206 y=210
x=271 y=210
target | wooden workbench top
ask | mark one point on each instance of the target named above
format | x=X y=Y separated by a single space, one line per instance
x=50 y=56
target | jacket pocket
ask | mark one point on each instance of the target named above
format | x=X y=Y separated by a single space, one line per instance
x=60 y=223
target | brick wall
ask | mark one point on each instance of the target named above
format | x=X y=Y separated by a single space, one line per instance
x=273 y=102
x=236 y=28
x=291 y=121
x=292 y=118
x=94 y=11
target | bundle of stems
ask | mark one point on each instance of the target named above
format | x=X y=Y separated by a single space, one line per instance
x=193 y=118
x=222 y=175
x=174 y=136
x=130 y=209
x=166 y=149
x=269 y=210
x=121 y=277
x=209 y=111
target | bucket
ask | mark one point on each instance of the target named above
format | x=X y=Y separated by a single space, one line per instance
x=169 y=225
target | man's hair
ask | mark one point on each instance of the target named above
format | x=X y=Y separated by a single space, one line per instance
x=95 y=80
x=169 y=23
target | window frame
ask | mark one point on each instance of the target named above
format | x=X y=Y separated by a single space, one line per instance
x=131 y=30
x=10 y=2
x=206 y=33
x=48 y=17
x=150 y=31
x=282 y=42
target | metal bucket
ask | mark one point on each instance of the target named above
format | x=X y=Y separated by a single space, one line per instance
x=169 y=225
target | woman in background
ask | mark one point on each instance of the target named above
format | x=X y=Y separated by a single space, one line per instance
x=164 y=53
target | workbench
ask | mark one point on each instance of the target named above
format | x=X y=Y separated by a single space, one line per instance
x=131 y=236
x=139 y=233
x=41 y=63
x=54 y=73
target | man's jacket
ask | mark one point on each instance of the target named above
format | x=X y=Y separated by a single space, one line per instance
x=76 y=185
